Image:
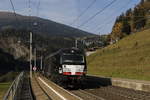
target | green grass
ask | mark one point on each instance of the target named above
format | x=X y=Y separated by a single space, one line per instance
x=129 y=58
x=5 y=82
x=3 y=89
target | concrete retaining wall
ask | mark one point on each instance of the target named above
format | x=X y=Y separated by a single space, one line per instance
x=125 y=83
x=133 y=84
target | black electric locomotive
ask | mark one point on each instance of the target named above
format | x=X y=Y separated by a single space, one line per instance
x=66 y=65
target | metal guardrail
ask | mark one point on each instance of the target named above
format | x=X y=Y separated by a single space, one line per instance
x=15 y=88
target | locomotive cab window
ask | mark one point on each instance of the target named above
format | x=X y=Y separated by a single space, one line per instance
x=70 y=58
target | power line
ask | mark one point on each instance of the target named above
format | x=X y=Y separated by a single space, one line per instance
x=110 y=21
x=143 y=17
x=29 y=7
x=96 y=14
x=140 y=20
x=112 y=15
x=92 y=17
x=14 y=11
x=89 y=6
x=38 y=8
x=29 y=14
x=12 y=6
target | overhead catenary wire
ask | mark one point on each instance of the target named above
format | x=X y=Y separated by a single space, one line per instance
x=101 y=26
x=109 y=22
x=38 y=8
x=14 y=11
x=122 y=19
x=92 y=17
x=81 y=14
x=100 y=11
x=13 y=6
x=37 y=12
x=29 y=14
x=29 y=7
x=98 y=27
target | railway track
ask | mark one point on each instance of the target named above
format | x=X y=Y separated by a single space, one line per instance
x=95 y=88
x=47 y=95
x=26 y=92
x=32 y=90
x=39 y=92
x=136 y=95
x=86 y=95
x=45 y=89
x=111 y=93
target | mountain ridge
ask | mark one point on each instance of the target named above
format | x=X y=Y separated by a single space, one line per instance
x=39 y=25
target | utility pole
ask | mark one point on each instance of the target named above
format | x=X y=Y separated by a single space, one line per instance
x=30 y=54
x=76 y=43
x=83 y=44
x=35 y=57
x=41 y=63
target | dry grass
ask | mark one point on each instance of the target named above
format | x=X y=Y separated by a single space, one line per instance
x=129 y=58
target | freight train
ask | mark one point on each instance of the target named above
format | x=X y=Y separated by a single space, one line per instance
x=67 y=66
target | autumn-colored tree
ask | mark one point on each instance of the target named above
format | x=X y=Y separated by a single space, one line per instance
x=131 y=21
x=117 y=31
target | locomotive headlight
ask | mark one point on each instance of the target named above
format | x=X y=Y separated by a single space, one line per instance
x=64 y=66
x=60 y=70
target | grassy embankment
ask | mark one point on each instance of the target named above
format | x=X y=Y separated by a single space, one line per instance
x=3 y=88
x=5 y=82
x=129 y=58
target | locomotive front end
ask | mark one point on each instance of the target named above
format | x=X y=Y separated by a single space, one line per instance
x=73 y=63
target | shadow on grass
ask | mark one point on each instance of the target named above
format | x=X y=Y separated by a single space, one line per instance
x=92 y=82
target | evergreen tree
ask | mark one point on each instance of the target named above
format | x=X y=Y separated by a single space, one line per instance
x=126 y=28
x=142 y=2
x=121 y=17
x=139 y=17
x=128 y=14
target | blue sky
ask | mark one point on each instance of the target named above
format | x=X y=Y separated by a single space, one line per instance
x=66 y=11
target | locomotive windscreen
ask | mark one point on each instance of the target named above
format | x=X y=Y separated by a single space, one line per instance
x=72 y=58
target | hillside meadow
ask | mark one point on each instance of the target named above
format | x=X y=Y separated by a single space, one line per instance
x=128 y=58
